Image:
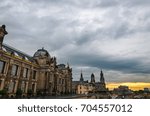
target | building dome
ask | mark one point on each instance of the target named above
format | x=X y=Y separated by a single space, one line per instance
x=41 y=53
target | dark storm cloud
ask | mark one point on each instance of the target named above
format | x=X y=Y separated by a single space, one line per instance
x=108 y=34
x=104 y=62
x=134 y=3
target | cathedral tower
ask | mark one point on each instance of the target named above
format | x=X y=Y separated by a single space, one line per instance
x=102 y=80
x=92 y=78
x=81 y=77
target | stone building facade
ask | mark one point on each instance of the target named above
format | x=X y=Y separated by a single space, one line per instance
x=23 y=74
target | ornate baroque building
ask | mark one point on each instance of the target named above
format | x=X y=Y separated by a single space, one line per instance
x=40 y=74
x=85 y=87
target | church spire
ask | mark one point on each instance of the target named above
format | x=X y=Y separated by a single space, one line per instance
x=81 y=77
x=102 y=80
x=92 y=78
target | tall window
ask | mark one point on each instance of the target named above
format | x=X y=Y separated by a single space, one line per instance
x=2 y=66
x=23 y=86
x=62 y=81
x=33 y=86
x=59 y=80
x=11 y=87
x=34 y=74
x=25 y=72
x=14 y=70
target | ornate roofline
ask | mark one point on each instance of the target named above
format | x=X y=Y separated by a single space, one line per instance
x=15 y=51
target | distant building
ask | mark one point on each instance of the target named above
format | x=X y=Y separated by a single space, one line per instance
x=40 y=74
x=101 y=85
x=146 y=89
x=85 y=87
x=76 y=83
x=75 y=87
x=122 y=90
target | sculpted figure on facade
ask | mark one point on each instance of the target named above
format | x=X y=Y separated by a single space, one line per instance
x=3 y=32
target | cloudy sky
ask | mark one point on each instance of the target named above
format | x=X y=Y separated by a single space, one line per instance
x=113 y=35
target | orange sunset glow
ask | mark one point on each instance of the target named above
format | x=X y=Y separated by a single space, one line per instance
x=132 y=86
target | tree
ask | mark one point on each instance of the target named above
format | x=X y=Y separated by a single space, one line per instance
x=19 y=93
x=30 y=93
x=39 y=93
x=3 y=93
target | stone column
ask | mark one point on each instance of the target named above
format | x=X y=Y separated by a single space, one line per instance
x=26 y=87
x=2 y=84
x=15 y=86
x=35 y=84
x=6 y=69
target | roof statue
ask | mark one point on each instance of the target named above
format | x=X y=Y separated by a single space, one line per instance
x=3 y=32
